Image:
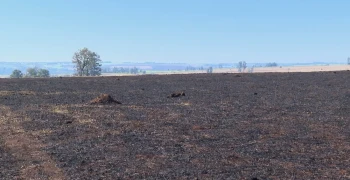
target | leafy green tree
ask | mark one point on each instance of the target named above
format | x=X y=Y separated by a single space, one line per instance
x=43 y=73
x=87 y=63
x=16 y=74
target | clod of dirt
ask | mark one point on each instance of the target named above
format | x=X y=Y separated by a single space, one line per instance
x=238 y=75
x=69 y=122
x=255 y=93
x=178 y=94
x=104 y=99
x=204 y=172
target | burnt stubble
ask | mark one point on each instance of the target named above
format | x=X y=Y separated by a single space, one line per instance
x=251 y=126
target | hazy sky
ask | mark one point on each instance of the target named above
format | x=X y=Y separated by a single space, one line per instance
x=176 y=30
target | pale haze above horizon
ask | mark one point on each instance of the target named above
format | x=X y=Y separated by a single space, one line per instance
x=196 y=31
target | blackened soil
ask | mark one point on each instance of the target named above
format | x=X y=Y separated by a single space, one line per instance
x=264 y=126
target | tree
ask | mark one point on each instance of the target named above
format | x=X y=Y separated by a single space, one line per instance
x=16 y=74
x=87 y=63
x=242 y=65
x=36 y=72
x=251 y=69
x=134 y=70
x=210 y=70
x=348 y=61
x=32 y=72
x=43 y=73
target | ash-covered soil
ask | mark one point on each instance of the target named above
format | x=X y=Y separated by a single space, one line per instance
x=227 y=126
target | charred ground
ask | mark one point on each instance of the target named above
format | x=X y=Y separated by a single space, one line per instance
x=265 y=126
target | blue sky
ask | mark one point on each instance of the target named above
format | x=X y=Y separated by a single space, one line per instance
x=204 y=31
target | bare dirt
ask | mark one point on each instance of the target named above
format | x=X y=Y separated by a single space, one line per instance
x=104 y=99
x=263 y=126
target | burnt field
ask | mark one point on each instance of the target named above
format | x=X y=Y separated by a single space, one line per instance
x=227 y=126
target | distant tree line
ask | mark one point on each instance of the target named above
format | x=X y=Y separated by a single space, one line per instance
x=88 y=63
x=124 y=70
x=31 y=73
x=273 y=64
x=191 y=68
